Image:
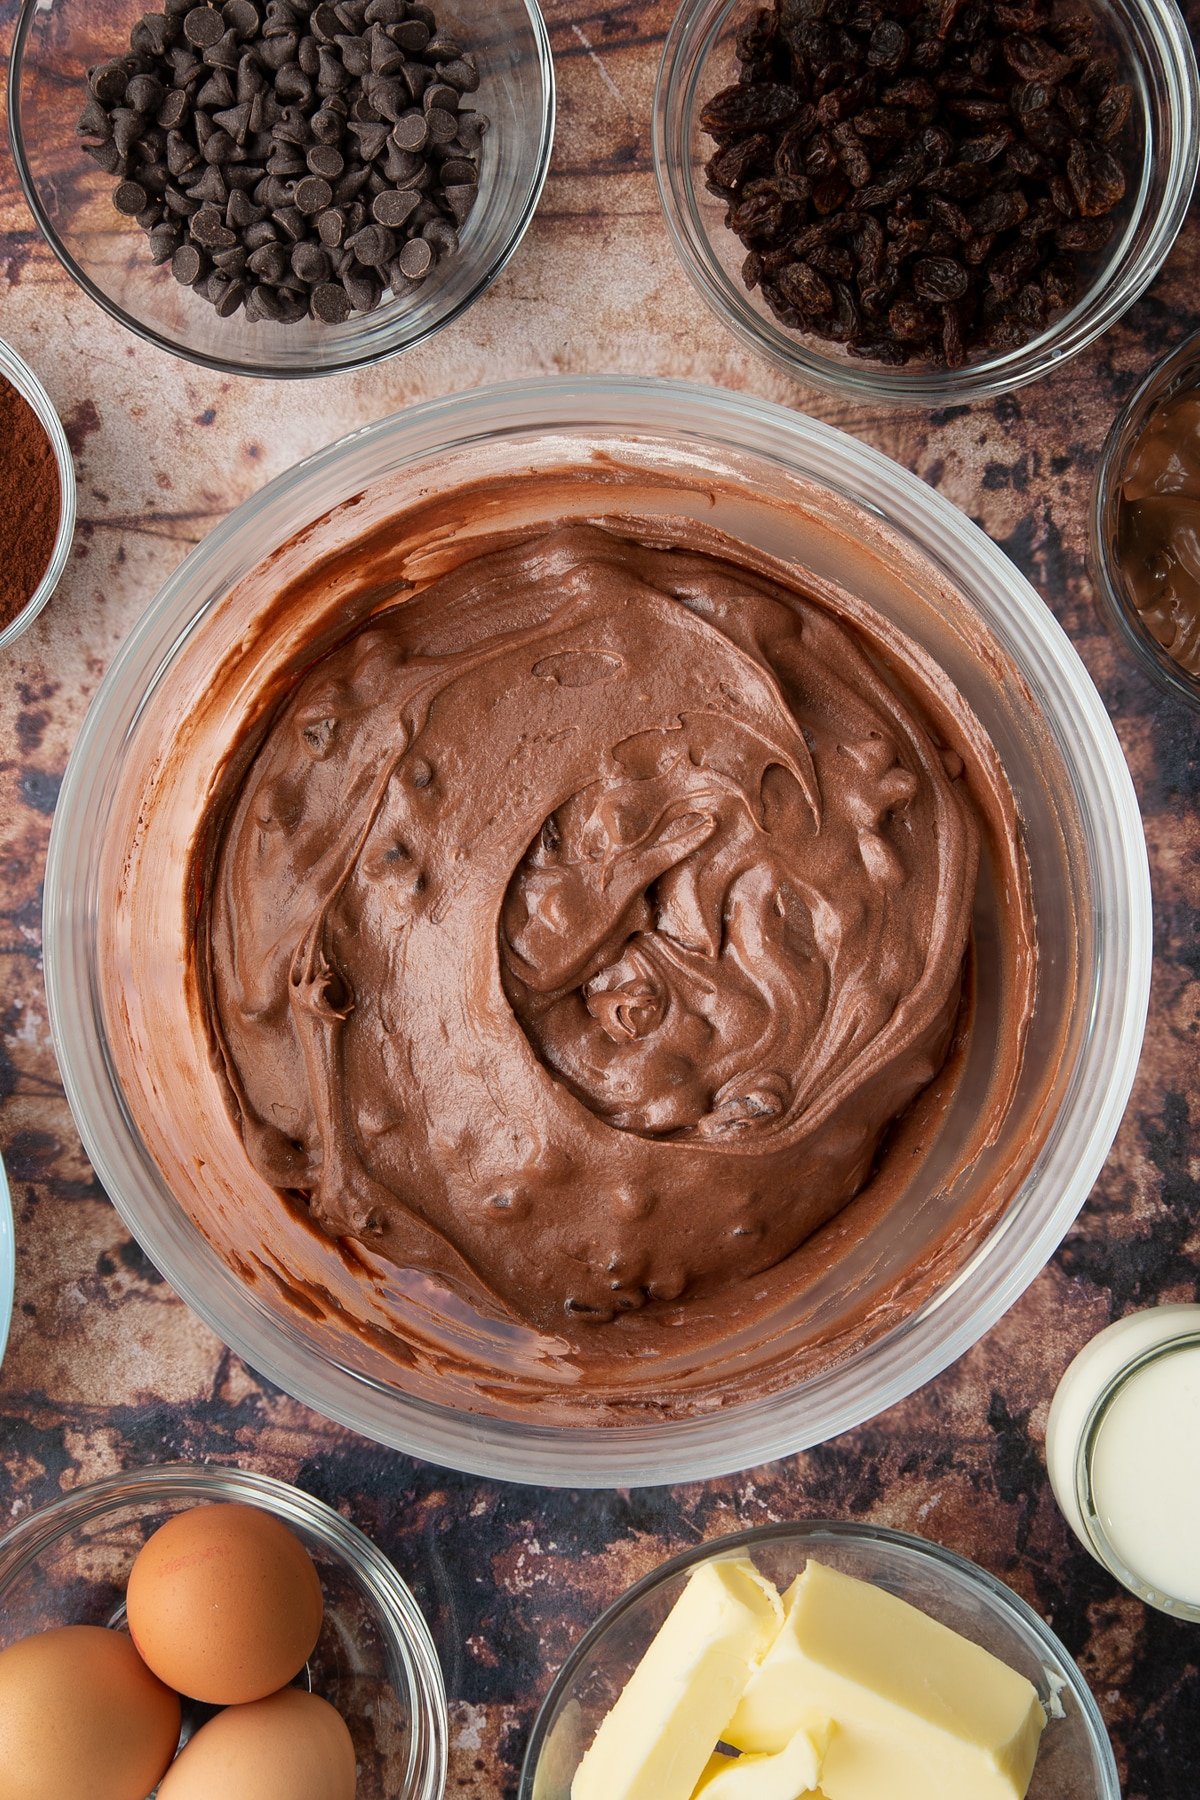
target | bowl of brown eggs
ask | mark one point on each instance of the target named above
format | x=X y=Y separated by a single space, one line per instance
x=203 y=1633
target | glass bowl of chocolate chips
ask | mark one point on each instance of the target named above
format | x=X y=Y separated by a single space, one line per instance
x=920 y=201
x=282 y=187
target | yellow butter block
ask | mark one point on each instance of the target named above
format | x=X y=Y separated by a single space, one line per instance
x=919 y=1712
x=655 y=1741
x=790 y=1774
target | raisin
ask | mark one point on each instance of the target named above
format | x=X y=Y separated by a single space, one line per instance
x=729 y=168
x=1096 y=177
x=987 y=148
x=1033 y=59
x=1084 y=236
x=736 y=110
x=940 y=279
x=1112 y=112
x=759 y=216
x=998 y=212
x=805 y=289
x=911 y=322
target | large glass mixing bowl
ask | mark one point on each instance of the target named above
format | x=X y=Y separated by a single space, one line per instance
x=980 y=1218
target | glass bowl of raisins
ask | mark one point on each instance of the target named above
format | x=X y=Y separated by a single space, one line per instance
x=282 y=188
x=920 y=201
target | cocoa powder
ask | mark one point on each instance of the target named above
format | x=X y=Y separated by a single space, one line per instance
x=30 y=502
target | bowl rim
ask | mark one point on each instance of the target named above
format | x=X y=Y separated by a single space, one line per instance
x=8 y=1260
x=397 y=1608
x=1165 y=377
x=15 y=370
x=924 y=386
x=352 y=360
x=992 y=1590
x=958 y=1314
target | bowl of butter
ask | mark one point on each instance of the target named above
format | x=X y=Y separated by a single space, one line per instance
x=819 y=1661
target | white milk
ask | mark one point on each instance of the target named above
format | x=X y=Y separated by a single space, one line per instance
x=1123 y=1453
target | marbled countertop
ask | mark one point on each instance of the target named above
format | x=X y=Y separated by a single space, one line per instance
x=107 y=1369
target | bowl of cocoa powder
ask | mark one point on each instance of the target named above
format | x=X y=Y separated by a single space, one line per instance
x=924 y=201
x=37 y=496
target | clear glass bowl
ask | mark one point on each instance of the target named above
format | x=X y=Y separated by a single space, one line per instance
x=1075 y=1757
x=1159 y=60
x=15 y=370
x=117 y=949
x=1179 y=369
x=69 y=1564
x=57 y=41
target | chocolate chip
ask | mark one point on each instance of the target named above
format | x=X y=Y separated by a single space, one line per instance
x=330 y=304
x=164 y=242
x=326 y=161
x=441 y=237
x=394 y=208
x=331 y=228
x=145 y=94
x=443 y=126
x=210 y=187
x=374 y=245
x=202 y=26
x=187 y=265
x=130 y=198
x=460 y=199
x=462 y=75
x=241 y=211
x=174 y=109
x=411 y=131
x=416 y=259
x=242 y=17
x=209 y=229
x=313 y=195
x=265 y=232
x=107 y=156
x=364 y=287
x=126 y=128
x=371 y=138
x=311 y=264
x=411 y=35
x=293 y=85
x=356 y=56
x=325 y=23
x=291 y=221
x=270 y=263
x=108 y=82
x=152 y=35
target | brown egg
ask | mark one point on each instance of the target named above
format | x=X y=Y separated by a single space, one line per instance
x=293 y=1746
x=81 y=1714
x=225 y=1604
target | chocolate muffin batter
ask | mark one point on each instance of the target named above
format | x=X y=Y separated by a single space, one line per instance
x=578 y=930
x=1158 y=528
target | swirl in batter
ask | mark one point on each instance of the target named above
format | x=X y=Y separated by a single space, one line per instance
x=581 y=926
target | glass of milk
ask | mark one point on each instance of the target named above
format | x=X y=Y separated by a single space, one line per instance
x=1123 y=1454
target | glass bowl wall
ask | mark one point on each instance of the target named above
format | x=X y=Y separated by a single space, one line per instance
x=116 y=948
x=1158 y=61
x=1178 y=372
x=1075 y=1757
x=57 y=42
x=69 y=1565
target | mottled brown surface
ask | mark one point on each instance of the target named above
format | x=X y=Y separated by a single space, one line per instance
x=106 y=1369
